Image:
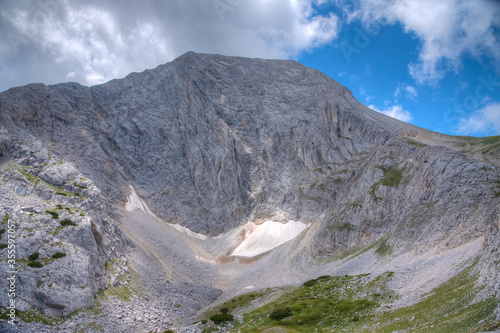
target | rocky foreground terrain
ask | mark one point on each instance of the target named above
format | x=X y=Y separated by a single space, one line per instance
x=216 y=184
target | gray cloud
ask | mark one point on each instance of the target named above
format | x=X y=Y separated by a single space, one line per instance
x=94 y=41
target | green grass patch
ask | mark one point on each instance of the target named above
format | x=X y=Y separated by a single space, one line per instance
x=415 y=143
x=489 y=140
x=447 y=309
x=350 y=304
x=392 y=178
x=32 y=178
x=3 y=246
x=279 y=314
x=384 y=249
x=31 y=316
x=2 y=231
x=317 y=305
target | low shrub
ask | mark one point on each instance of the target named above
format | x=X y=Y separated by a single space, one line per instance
x=53 y=214
x=66 y=222
x=2 y=231
x=310 y=283
x=35 y=264
x=3 y=246
x=279 y=314
x=222 y=318
x=58 y=255
x=224 y=310
x=61 y=193
x=34 y=256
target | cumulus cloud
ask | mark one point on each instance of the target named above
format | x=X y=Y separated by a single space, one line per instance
x=448 y=30
x=94 y=41
x=483 y=121
x=395 y=111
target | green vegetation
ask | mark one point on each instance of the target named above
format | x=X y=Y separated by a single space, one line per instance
x=53 y=213
x=355 y=304
x=80 y=186
x=32 y=178
x=30 y=316
x=489 y=140
x=6 y=218
x=279 y=314
x=3 y=246
x=415 y=143
x=221 y=318
x=35 y=264
x=34 y=256
x=62 y=193
x=392 y=178
x=317 y=305
x=67 y=222
x=58 y=255
x=384 y=249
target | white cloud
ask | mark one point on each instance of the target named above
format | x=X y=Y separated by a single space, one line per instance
x=485 y=121
x=409 y=91
x=448 y=30
x=395 y=111
x=98 y=41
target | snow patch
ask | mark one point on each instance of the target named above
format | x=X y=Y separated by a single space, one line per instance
x=188 y=231
x=134 y=202
x=267 y=236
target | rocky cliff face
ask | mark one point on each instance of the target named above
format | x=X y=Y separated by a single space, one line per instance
x=211 y=142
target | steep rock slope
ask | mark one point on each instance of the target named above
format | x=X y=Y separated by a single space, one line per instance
x=222 y=138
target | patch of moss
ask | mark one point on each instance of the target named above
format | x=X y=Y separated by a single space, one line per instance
x=58 y=255
x=53 y=213
x=67 y=222
x=80 y=186
x=35 y=264
x=34 y=256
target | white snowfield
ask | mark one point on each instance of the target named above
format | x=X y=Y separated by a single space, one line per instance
x=260 y=238
x=188 y=231
x=134 y=202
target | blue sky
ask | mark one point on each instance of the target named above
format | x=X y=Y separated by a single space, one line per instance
x=434 y=64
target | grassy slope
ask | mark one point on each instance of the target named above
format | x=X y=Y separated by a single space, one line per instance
x=352 y=304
